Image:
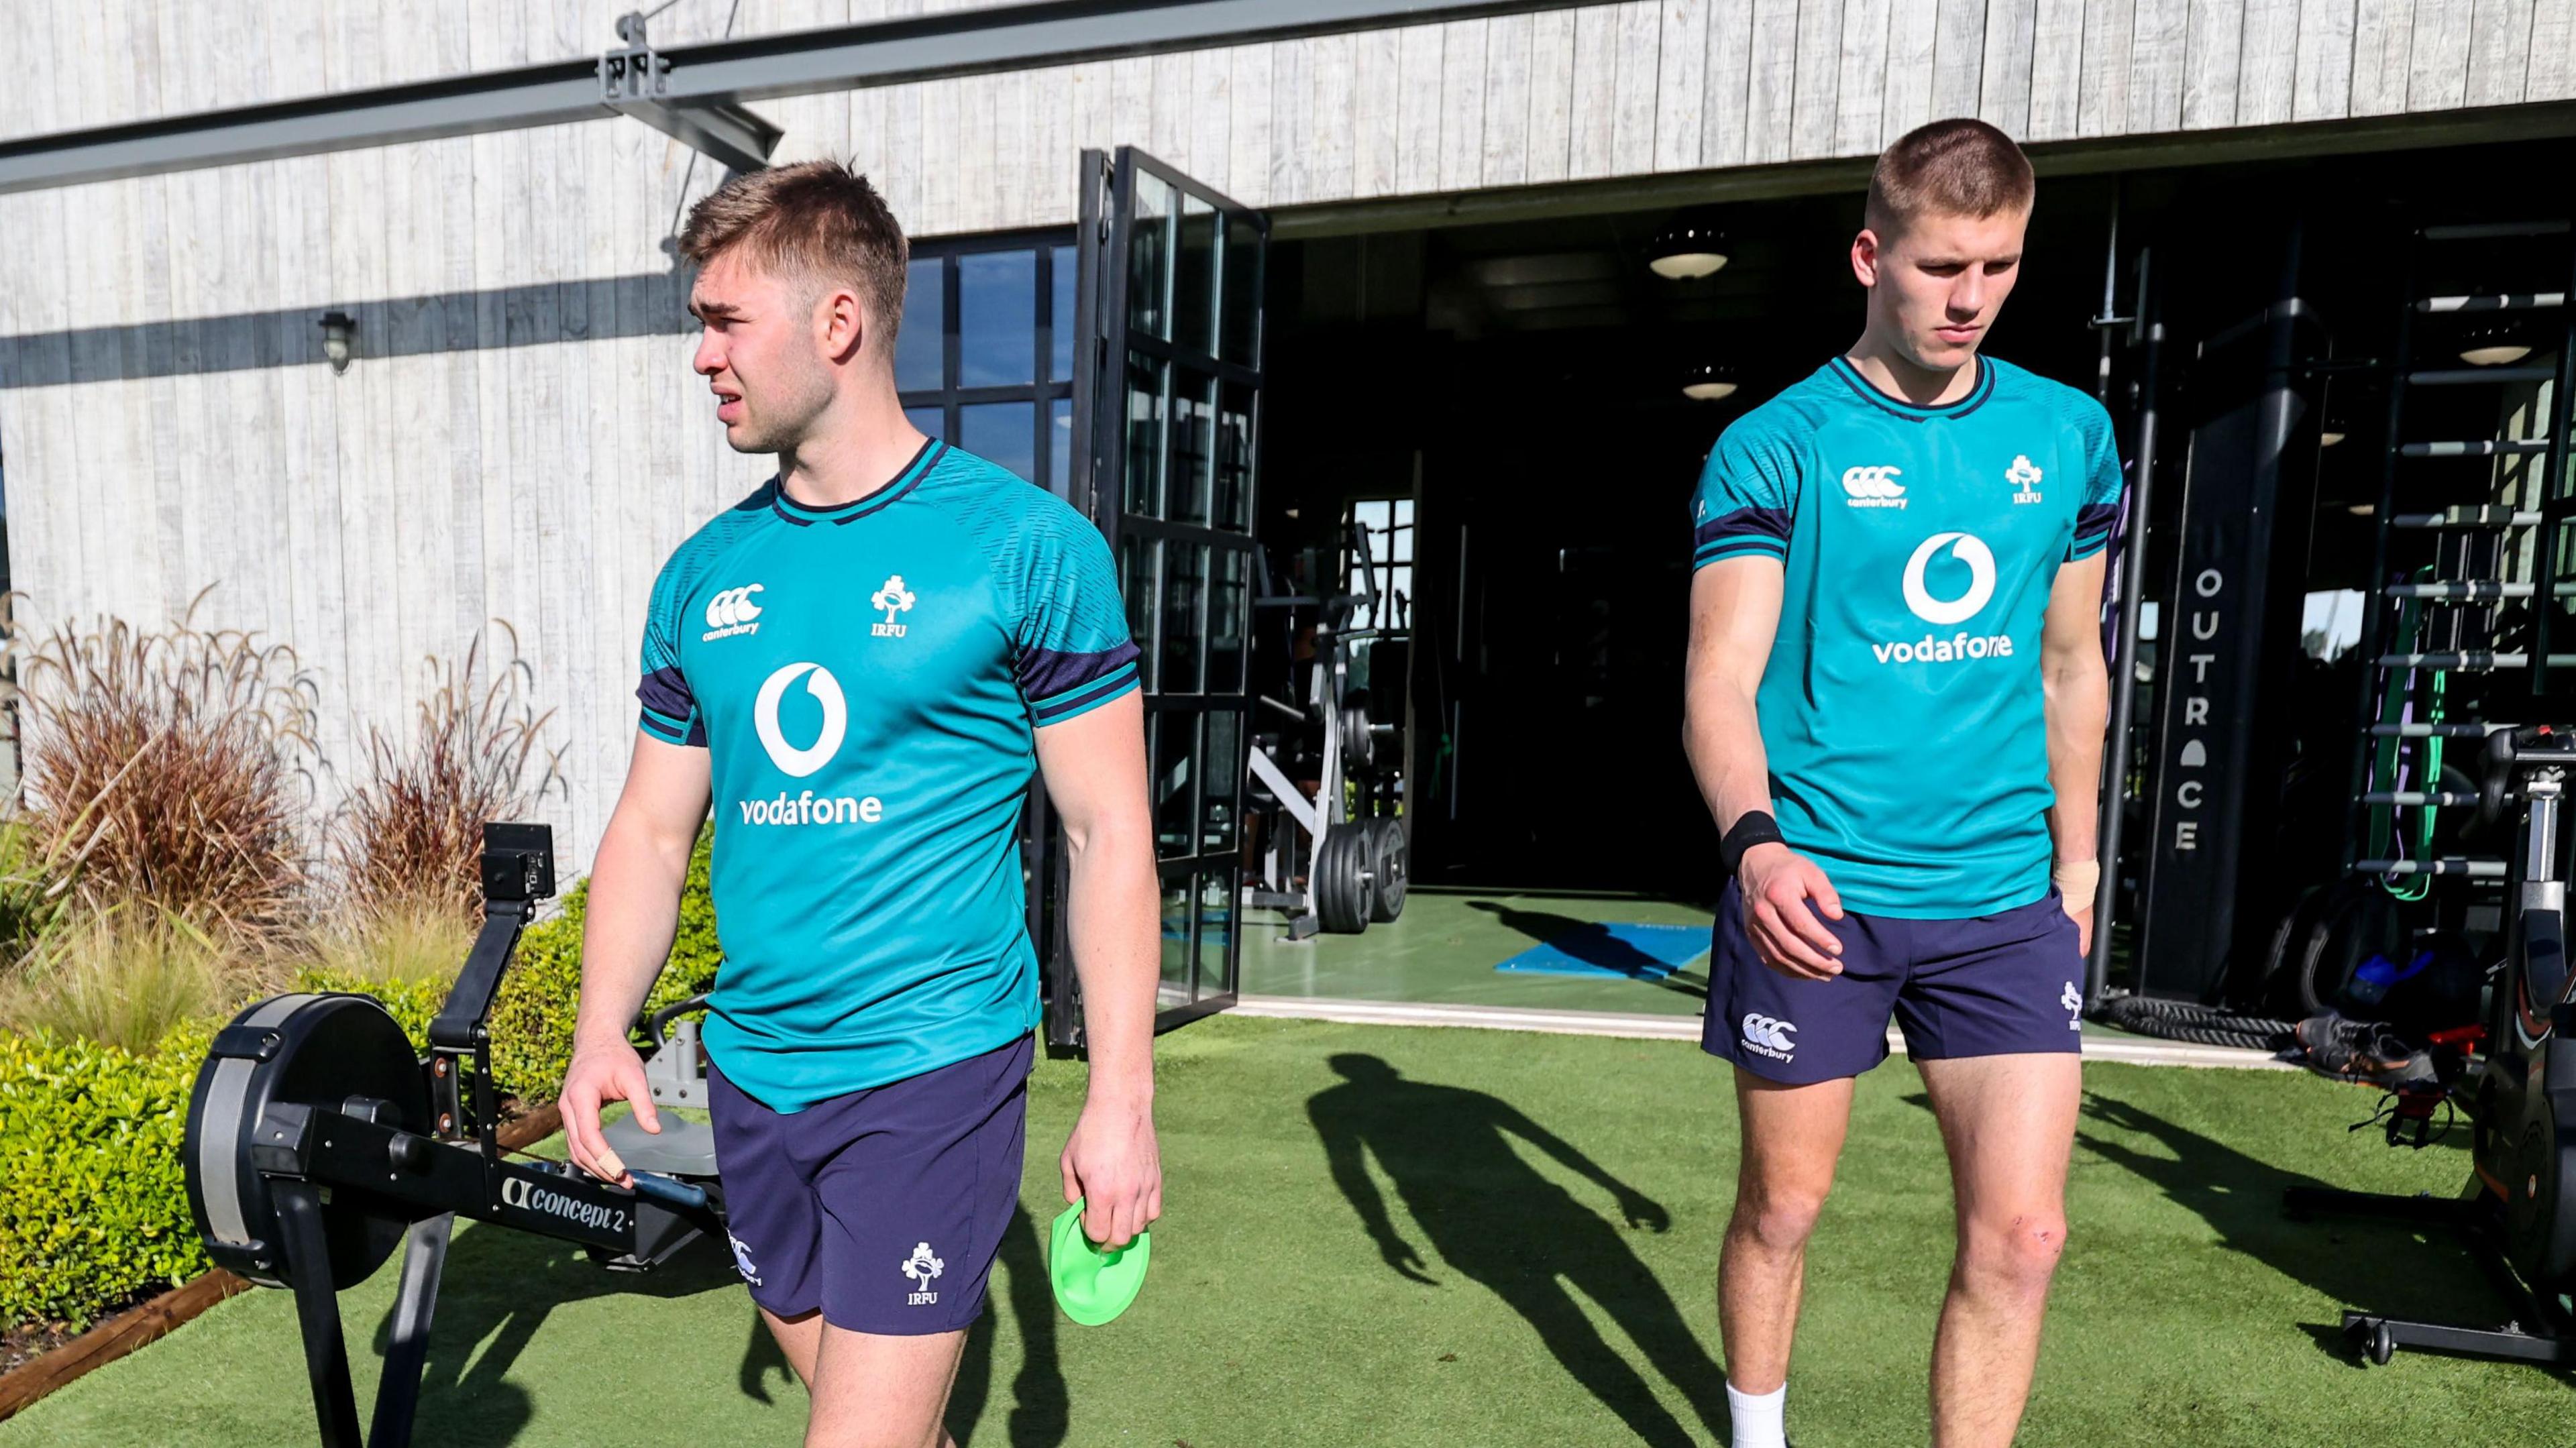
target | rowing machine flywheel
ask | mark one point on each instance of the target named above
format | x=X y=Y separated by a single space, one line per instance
x=338 y=1052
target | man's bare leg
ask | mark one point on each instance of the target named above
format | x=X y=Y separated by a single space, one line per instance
x=1793 y=1135
x=2009 y=1125
x=870 y=1390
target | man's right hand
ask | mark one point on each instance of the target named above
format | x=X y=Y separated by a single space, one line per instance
x=1783 y=893
x=602 y=1072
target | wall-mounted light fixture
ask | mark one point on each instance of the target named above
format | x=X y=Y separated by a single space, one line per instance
x=337 y=328
x=1708 y=382
x=2499 y=343
x=1690 y=247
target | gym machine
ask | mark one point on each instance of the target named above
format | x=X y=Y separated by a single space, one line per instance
x=2474 y=639
x=1344 y=720
x=2520 y=1095
x=317 y=1141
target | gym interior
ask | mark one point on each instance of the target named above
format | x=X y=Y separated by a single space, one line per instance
x=1501 y=409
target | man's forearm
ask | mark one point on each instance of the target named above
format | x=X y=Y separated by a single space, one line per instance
x=626 y=933
x=1113 y=924
x=2078 y=709
x=1723 y=738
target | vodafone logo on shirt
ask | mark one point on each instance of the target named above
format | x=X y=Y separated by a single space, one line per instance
x=798 y=761
x=1959 y=607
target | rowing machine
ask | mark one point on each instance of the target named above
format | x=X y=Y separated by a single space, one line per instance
x=2519 y=1213
x=317 y=1141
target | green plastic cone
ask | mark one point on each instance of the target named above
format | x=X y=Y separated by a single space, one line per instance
x=1091 y=1285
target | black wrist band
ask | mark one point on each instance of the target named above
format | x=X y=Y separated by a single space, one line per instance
x=1753 y=827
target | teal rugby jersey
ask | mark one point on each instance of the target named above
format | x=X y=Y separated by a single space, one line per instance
x=1901 y=705
x=868 y=681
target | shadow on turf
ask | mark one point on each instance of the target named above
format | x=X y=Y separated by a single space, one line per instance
x=1591 y=942
x=499 y=1288
x=2375 y=1266
x=1493 y=1220
x=1041 y=1407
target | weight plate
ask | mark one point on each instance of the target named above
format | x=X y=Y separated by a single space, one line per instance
x=1388 y=864
x=1343 y=898
x=1358 y=744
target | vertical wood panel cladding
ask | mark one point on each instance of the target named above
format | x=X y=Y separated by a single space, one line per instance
x=520 y=437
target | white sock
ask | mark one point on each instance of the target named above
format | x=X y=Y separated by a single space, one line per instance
x=1757 y=1417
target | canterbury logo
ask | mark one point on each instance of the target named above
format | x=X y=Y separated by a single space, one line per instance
x=732 y=612
x=1874 y=487
x=1769 y=1035
x=798 y=763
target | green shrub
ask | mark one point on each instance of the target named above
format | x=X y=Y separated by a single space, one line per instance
x=412 y=1003
x=95 y=1208
x=33 y=886
x=532 y=1019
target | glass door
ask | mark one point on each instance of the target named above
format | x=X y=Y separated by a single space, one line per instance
x=1166 y=416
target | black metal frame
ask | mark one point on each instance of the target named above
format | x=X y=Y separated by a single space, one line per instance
x=1045 y=389
x=2147 y=332
x=2551 y=1338
x=697 y=89
x=1098 y=483
x=2555 y=512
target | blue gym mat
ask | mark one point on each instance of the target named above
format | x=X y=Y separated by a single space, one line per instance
x=1623 y=951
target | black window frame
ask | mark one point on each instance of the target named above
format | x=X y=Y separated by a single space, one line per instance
x=1046 y=390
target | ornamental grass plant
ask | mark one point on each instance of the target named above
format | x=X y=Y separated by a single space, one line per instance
x=172 y=768
x=125 y=976
x=408 y=839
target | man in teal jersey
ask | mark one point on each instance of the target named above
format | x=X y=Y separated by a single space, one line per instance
x=860 y=665
x=1896 y=700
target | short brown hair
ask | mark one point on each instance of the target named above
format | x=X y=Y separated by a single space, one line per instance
x=1963 y=167
x=814 y=222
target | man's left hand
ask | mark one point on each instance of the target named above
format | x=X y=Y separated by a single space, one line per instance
x=1113 y=1167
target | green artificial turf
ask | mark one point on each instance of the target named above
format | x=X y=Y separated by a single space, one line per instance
x=1505 y=1300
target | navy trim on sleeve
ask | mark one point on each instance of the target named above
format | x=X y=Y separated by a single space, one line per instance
x=1046 y=673
x=1083 y=699
x=1745 y=530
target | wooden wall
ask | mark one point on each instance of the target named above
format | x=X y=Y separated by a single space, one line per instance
x=520 y=437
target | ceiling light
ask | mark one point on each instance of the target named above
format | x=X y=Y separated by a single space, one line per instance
x=2362 y=510
x=2498 y=343
x=1687 y=249
x=336 y=330
x=2328 y=439
x=1709 y=382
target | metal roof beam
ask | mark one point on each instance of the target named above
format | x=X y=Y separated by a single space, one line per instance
x=697 y=90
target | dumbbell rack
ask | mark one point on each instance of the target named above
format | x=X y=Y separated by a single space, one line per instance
x=2456 y=610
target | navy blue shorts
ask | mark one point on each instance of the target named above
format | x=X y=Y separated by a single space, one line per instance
x=1987 y=985
x=883 y=1207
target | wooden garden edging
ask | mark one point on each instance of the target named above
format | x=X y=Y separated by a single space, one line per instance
x=137 y=1326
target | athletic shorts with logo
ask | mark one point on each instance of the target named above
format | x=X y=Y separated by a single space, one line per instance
x=883 y=1207
x=1985 y=985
